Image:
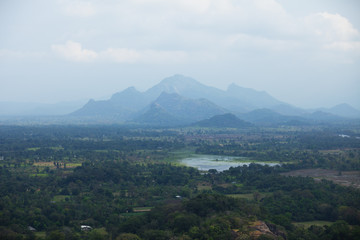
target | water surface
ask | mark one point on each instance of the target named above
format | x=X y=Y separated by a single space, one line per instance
x=220 y=163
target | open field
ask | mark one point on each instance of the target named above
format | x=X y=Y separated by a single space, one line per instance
x=249 y=196
x=142 y=209
x=60 y=198
x=51 y=165
x=344 y=178
x=311 y=223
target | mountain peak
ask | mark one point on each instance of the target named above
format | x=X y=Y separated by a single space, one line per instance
x=234 y=87
x=130 y=89
x=224 y=120
x=128 y=92
x=176 y=84
x=179 y=81
x=255 y=99
x=182 y=97
x=344 y=110
x=344 y=106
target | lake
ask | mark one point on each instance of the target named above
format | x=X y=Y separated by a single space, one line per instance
x=220 y=163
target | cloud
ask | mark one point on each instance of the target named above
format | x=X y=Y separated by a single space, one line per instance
x=124 y=55
x=189 y=24
x=246 y=41
x=349 y=46
x=162 y=31
x=331 y=27
x=198 y=6
x=333 y=34
x=73 y=51
x=78 y=8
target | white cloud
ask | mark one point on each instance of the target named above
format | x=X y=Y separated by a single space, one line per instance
x=246 y=41
x=331 y=27
x=79 y=8
x=198 y=6
x=138 y=30
x=125 y=55
x=73 y=51
x=349 y=46
x=334 y=35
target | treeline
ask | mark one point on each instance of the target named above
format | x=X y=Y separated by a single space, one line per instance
x=118 y=172
x=293 y=198
x=315 y=149
x=95 y=192
x=213 y=216
x=319 y=148
x=104 y=194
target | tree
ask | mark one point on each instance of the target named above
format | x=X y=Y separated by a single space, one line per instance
x=56 y=235
x=128 y=236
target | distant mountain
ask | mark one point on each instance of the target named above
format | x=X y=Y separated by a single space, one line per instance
x=235 y=99
x=184 y=86
x=190 y=88
x=174 y=106
x=323 y=116
x=130 y=99
x=267 y=117
x=156 y=115
x=187 y=100
x=250 y=98
x=227 y=120
x=343 y=110
x=38 y=109
x=122 y=106
x=288 y=110
x=178 y=100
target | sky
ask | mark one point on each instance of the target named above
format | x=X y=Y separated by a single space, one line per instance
x=303 y=52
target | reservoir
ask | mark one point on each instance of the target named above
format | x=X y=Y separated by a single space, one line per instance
x=220 y=163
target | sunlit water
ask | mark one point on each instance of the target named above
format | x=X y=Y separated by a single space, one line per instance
x=220 y=163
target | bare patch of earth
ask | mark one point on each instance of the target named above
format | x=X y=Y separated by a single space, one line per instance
x=344 y=178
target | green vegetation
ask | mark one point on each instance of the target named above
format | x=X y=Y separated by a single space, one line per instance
x=127 y=183
x=313 y=223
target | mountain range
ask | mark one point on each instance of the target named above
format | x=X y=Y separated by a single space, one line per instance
x=181 y=100
x=227 y=120
x=124 y=105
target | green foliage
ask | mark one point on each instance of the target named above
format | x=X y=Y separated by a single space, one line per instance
x=127 y=236
x=111 y=173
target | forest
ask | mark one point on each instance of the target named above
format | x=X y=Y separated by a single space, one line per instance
x=126 y=182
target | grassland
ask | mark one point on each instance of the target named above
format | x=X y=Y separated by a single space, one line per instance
x=311 y=223
x=345 y=178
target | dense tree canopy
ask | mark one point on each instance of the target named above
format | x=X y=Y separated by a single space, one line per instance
x=126 y=184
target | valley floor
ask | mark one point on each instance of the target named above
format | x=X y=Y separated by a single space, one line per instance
x=344 y=178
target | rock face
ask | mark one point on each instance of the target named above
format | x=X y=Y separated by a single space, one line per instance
x=260 y=228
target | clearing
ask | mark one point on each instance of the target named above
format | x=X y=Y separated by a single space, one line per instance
x=344 y=178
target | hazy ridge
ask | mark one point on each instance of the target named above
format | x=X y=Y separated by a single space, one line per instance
x=181 y=100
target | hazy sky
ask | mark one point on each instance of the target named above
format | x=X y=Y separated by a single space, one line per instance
x=303 y=52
